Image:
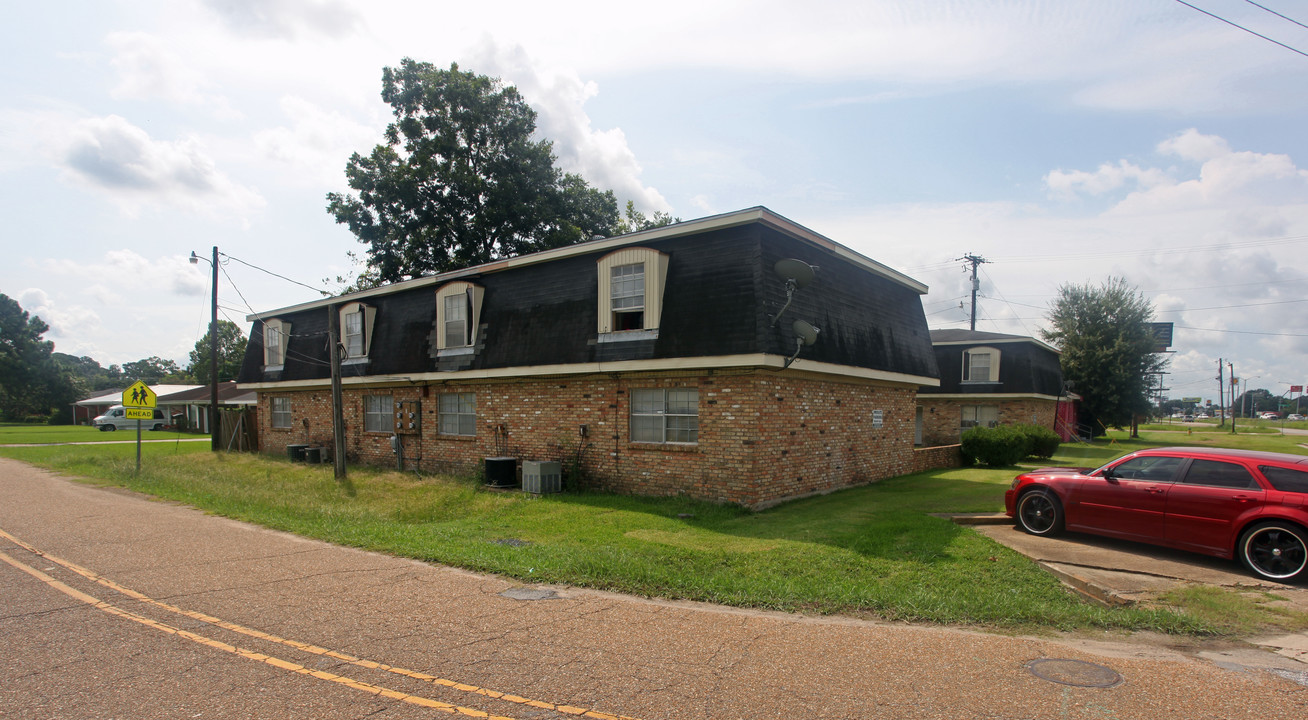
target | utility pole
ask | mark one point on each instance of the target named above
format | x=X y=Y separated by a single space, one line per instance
x=1231 y=368
x=975 y=260
x=338 y=415
x=1221 y=396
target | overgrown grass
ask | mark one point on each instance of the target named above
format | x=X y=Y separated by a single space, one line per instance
x=873 y=551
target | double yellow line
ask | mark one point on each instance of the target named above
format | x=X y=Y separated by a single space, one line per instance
x=267 y=637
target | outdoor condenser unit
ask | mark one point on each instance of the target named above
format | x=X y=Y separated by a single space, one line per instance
x=541 y=477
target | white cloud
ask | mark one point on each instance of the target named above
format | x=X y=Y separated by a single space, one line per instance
x=559 y=97
x=1108 y=177
x=122 y=160
x=287 y=18
x=317 y=143
x=66 y=323
x=149 y=70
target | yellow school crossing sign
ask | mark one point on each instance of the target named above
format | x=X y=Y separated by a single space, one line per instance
x=138 y=401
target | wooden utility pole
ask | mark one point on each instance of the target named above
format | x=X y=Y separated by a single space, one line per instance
x=975 y=260
x=338 y=413
x=1221 y=394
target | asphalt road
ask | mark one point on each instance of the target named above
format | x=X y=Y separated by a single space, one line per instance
x=116 y=606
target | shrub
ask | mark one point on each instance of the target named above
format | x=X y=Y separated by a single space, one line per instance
x=1044 y=441
x=997 y=446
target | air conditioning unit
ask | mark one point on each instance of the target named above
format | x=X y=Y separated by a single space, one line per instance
x=541 y=477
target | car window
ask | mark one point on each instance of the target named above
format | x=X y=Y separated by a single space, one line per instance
x=1218 y=474
x=1149 y=467
x=1286 y=479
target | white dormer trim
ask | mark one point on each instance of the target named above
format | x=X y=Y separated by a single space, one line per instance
x=369 y=319
x=276 y=336
x=473 y=295
x=994 y=364
x=656 y=275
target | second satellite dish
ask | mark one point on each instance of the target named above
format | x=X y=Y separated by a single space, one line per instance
x=805 y=335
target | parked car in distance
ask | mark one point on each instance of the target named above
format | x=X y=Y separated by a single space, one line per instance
x=1270 y=416
x=1294 y=416
x=1227 y=503
x=115 y=418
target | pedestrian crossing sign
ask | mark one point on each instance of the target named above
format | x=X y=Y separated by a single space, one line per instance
x=139 y=396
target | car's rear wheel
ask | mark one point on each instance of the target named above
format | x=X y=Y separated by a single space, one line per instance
x=1039 y=512
x=1275 y=550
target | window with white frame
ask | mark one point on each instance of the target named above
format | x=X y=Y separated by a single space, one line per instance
x=631 y=284
x=456 y=320
x=377 y=413
x=280 y=412
x=665 y=415
x=457 y=414
x=357 y=321
x=981 y=365
x=276 y=334
x=980 y=416
x=627 y=296
x=354 y=334
x=458 y=313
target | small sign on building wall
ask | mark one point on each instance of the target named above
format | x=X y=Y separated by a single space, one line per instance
x=878 y=417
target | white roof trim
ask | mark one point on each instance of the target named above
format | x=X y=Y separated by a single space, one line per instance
x=757 y=360
x=691 y=227
x=995 y=341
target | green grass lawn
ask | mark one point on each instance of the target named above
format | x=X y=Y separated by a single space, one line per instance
x=18 y=433
x=874 y=551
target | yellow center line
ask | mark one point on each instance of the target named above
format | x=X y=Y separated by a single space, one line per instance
x=267 y=637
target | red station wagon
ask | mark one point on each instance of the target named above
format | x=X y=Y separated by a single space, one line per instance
x=1227 y=503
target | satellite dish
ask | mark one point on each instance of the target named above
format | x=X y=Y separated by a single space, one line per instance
x=805 y=333
x=796 y=272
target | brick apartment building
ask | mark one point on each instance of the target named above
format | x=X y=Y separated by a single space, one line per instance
x=656 y=363
x=992 y=379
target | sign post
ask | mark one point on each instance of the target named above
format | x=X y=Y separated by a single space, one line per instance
x=139 y=402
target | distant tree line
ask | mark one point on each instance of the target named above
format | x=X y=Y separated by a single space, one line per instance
x=38 y=384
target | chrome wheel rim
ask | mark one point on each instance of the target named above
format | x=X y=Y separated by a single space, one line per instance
x=1276 y=552
x=1038 y=513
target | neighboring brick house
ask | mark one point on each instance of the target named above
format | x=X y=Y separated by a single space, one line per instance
x=991 y=379
x=650 y=363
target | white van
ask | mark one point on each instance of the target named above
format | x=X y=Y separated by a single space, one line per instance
x=116 y=417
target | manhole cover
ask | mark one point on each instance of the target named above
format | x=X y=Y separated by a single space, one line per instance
x=522 y=593
x=1074 y=672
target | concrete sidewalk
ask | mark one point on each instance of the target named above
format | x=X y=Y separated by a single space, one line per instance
x=504 y=649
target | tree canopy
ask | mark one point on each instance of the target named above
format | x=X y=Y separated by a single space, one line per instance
x=231 y=353
x=32 y=382
x=460 y=181
x=1107 y=349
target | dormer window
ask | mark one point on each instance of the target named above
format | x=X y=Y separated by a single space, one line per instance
x=631 y=291
x=627 y=296
x=276 y=335
x=458 y=315
x=981 y=365
x=357 y=321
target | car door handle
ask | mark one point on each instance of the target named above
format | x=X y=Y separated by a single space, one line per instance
x=1241 y=498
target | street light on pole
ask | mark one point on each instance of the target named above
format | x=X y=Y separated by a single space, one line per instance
x=213 y=350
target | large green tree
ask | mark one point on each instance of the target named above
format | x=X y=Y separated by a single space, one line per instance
x=154 y=370
x=1107 y=349
x=460 y=181
x=231 y=353
x=32 y=383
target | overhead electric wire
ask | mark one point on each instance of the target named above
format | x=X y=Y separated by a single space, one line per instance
x=1279 y=15
x=1251 y=32
x=322 y=292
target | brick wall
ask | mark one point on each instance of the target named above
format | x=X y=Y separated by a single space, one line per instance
x=762 y=436
x=941 y=418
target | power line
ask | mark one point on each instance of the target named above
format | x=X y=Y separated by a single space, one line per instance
x=1283 y=17
x=1251 y=32
x=324 y=293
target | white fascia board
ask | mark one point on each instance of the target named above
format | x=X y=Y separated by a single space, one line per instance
x=987 y=396
x=1011 y=341
x=758 y=360
x=691 y=227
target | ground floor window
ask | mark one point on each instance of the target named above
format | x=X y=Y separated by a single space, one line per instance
x=377 y=413
x=281 y=412
x=457 y=413
x=668 y=415
x=980 y=416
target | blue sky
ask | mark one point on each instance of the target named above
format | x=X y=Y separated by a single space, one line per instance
x=1064 y=141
